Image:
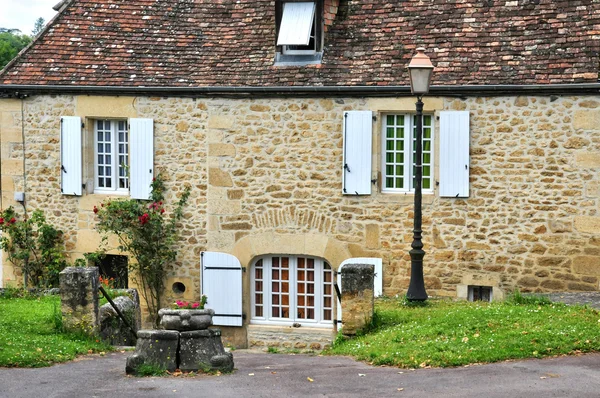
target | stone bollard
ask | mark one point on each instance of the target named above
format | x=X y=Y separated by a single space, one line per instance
x=358 y=302
x=79 y=298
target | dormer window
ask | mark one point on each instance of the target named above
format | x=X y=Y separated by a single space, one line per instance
x=299 y=32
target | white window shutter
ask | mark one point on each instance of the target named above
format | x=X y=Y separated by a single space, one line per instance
x=141 y=167
x=454 y=154
x=222 y=284
x=71 y=169
x=378 y=282
x=358 y=131
x=296 y=23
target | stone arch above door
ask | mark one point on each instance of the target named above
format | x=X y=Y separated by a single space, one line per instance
x=316 y=245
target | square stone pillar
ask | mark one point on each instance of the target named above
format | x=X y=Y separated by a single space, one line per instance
x=79 y=298
x=358 y=301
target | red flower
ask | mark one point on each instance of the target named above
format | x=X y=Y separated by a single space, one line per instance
x=162 y=210
x=1 y=220
x=144 y=218
x=12 y=220
x=95 y=209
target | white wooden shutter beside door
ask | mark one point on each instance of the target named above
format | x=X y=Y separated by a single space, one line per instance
x=454 y=154
x=71 y=170
x=222 y=284
x=358 y=132
x=378 y=282
x=141 y=148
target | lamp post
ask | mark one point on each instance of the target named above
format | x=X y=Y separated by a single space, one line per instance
x=420 y=70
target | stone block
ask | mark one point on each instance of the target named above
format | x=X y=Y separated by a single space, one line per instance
x=219 y=178
x=219 y=149
x=372 y=236
x=589 y=224
x=587 y=265
x=12 y=167
x=79 y=298
x=112 y=328
x=220 y=122
x=203 y=350
x=357 y=297
x=105 y=106
x=588 y=160
x=154 y=347
x=586 y=120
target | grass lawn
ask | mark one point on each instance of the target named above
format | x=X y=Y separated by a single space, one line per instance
x=444 y=333
x=30 y=334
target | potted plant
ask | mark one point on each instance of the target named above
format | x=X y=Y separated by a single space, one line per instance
x=184 y=316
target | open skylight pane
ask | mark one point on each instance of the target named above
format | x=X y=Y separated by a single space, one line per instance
x=296 y=24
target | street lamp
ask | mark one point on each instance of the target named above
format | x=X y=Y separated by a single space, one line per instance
x=420 y=70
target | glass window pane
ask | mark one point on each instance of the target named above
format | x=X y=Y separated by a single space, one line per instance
x=99 y=136
x=100 y=148
x=389 y=170
x=390 y=119
x=426 y=120
x=258 y=286
x=400 y=133
x=108 y=159
x=426 y=171
x=258 y=298
x=100 y=159
x=99 y=124
x=107 y=148
x=285 y=287
x=108 y=183
x=399 y=182
x=390 y=132
x=275 y=274
x=107 y=136
x=275 y=299
x=427 y=146
x=389 y=157
x=426 y=133
x=399 y=170
x=427 y=158
x=389 y=183
x=275 y=287
x=275 y=312
x=400 y=157
x=259 y=311
x=310 y=289
x=327 y=315
x=285 y=275
x=389 y=145
x=399 y=145
x=426 y=183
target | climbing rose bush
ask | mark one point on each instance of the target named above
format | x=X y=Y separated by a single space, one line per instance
x=149 y=234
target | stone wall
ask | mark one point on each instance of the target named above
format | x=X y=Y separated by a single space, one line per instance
x=271 y=168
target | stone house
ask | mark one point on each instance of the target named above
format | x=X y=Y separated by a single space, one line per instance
x=291 y=121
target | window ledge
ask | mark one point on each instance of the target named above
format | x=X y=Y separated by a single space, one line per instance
x=404 y=197
x=298 y=60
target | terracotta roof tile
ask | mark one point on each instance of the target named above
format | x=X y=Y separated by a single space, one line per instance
x=192 y=43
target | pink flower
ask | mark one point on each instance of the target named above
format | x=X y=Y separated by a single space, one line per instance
x=195 y=305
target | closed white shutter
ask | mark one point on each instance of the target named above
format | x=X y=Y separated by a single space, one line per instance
x=296 y=23
x=141 y=167
x=222 y=284
x=378 y=282
x=454 y=154
x=358 y=131
x=71 y=170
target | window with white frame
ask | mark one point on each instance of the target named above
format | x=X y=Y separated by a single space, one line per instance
x=398 y=154
x=292 y=289
x=111 y=154
x=299 y=28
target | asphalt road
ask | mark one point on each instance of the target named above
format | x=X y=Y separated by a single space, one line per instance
x=281 y=375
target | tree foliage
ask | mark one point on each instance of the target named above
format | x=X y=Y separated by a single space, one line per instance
x=39 y=26
x=146 y=232
x=11 y=42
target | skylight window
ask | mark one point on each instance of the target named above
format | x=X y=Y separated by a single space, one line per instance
x=297 y=24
